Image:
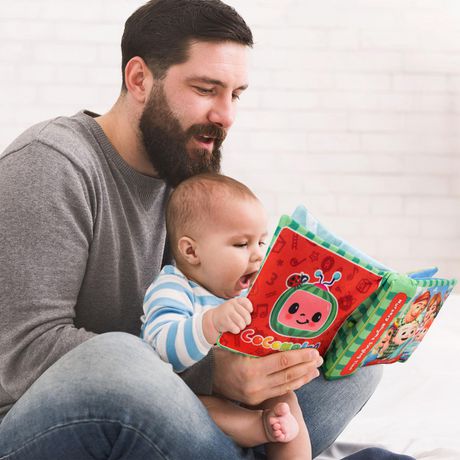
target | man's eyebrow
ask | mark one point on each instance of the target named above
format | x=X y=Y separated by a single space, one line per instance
x=212 y=81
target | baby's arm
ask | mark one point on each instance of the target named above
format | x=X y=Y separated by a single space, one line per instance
x=170 y=324
x=232 y=316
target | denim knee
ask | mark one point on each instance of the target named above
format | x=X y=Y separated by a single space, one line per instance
x=329 y=405
x=120 y=374
x=111 y=391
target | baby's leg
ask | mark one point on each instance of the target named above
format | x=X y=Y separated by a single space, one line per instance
x=245 y=426
x=299 y=447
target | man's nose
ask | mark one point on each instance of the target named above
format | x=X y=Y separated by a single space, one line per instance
x=222 y=113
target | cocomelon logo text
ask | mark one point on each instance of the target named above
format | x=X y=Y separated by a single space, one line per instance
x=269 y=342
x=305 y=309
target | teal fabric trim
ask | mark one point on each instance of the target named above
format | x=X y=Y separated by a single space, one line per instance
x=304 y=218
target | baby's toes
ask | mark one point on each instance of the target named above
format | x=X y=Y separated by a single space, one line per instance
x=276 y=426
x=279 y=435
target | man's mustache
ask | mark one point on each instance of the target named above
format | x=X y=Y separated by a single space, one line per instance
x=209 y=130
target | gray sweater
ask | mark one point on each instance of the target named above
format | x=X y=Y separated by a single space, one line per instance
x=82 y=235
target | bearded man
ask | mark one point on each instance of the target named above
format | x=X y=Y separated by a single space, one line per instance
x=82 y=235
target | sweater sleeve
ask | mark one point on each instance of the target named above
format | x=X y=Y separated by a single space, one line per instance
x=45 y=232
x=200 y=376
x=170 y=323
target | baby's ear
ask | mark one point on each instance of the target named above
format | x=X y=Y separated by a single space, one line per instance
x=187 y=250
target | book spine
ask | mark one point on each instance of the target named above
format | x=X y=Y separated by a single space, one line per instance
x=365 y=326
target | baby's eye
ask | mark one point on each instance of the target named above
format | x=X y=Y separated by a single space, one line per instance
x=262 y=243
x=240 y=245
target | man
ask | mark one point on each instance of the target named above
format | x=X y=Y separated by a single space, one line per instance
x=82 y=235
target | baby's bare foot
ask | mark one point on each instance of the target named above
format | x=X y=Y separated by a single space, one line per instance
x=280 y=425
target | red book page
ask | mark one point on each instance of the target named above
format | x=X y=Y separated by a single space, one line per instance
x=301 y=297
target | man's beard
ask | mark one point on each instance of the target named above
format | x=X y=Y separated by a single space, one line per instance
x=165 y=142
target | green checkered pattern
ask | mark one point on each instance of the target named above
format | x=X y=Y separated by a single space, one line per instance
x=362 y=321
x=365 y=317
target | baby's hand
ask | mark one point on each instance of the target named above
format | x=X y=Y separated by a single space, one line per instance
x=232 y=316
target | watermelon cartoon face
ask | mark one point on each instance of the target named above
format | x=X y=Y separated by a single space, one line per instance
x=304 y=310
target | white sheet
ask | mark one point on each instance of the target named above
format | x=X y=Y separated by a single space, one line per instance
x=416 y=408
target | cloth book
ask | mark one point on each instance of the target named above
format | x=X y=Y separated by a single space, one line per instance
x=316 y=290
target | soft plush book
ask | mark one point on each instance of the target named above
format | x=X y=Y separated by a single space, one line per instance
x=316 y=290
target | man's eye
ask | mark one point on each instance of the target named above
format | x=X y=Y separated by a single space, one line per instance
x=203 y=90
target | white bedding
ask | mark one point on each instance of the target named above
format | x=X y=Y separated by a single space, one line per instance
x=416 y=408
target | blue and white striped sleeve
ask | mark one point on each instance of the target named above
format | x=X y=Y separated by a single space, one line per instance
x=170 y=323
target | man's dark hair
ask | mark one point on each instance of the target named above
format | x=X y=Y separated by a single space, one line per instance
x=161 y=30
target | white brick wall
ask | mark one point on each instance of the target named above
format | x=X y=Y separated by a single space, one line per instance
x=353 y=108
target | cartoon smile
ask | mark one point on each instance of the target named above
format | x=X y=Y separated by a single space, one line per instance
x=315 y=318
x=303 y=310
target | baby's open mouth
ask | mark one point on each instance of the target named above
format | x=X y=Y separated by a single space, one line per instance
x=246 y=280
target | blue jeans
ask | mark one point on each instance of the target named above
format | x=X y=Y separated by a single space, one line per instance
x=328 y=406
x=375 y=453
x=112 y=397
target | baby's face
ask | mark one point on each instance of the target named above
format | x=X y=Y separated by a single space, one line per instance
x=231 y=247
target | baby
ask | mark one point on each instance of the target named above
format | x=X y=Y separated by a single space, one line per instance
x=217 y=231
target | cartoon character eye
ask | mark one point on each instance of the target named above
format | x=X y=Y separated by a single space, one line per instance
x=293 y=308
x=316 y=317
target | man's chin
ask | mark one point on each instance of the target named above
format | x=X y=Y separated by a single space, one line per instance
x=204 y=156
x=188 y=164
x=205 y=161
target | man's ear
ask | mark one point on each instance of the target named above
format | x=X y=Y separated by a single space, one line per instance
x=138 y=79
x=187 y=249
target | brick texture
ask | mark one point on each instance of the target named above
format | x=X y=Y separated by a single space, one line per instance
x=353 y=108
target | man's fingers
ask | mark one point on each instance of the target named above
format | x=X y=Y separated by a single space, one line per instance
x=300 y=375
x=303 y=372
x=293 y=385
x=247 y=380
x=283 y=360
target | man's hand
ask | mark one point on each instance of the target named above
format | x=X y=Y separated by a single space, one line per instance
x=231 y=316
x=253 y=380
